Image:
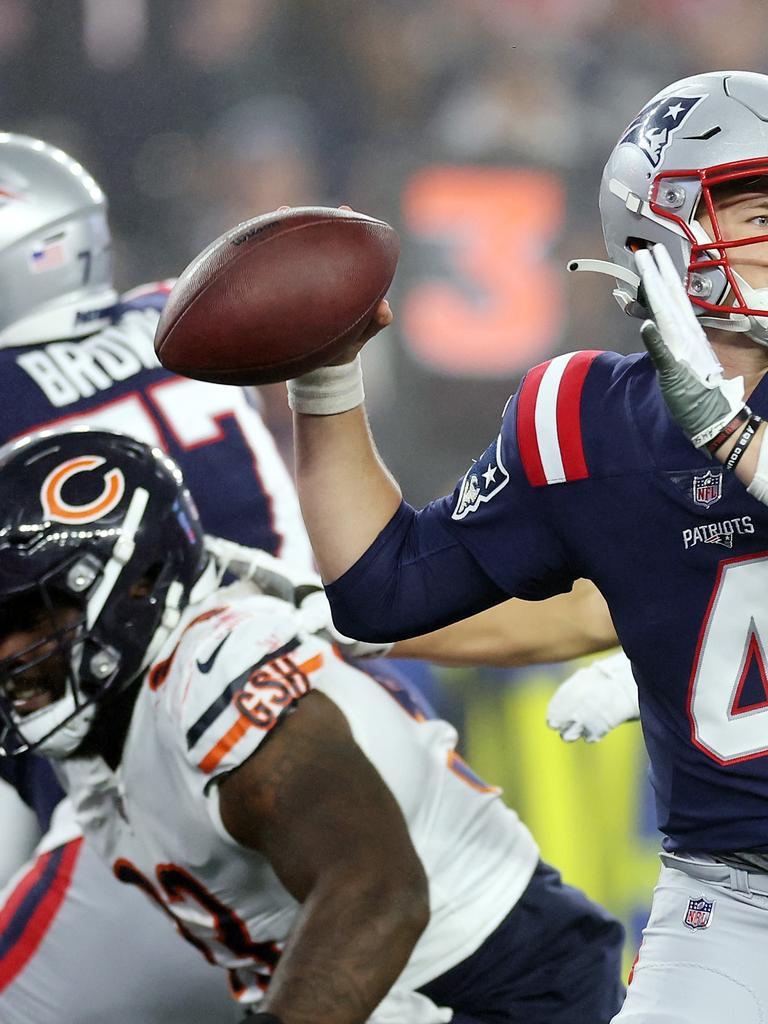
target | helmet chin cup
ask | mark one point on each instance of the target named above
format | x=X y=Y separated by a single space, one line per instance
x=755 y=298
x=57 y=730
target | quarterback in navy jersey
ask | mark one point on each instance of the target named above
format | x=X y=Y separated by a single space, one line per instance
x=629 y=471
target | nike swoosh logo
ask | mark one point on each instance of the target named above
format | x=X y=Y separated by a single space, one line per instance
x=206 y=666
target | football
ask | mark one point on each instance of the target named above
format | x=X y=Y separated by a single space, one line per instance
x=277 y=296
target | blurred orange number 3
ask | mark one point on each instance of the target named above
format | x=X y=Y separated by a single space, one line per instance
x=492 y=302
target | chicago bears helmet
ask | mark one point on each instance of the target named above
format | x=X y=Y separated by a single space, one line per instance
x=103 y=526
x=702 y=132
x=55 y=265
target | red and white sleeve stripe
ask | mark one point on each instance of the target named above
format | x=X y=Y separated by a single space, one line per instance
x=549 y=433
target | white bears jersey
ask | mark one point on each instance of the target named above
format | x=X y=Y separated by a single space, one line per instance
x=237 y=660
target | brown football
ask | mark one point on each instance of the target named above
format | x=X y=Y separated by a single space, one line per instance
x=277 y=296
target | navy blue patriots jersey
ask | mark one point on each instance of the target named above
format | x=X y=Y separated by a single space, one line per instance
x=590 y=477
x=112 y=379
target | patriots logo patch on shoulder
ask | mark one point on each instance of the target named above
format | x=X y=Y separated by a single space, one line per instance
x=482 y=482
x=653 y=128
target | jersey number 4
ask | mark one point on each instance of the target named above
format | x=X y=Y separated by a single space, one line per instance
x=728 y=692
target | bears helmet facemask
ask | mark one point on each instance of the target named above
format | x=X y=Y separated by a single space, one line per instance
x=101 y=523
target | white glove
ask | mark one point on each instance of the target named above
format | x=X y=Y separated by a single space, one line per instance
x=304 y=590
x=690 y=377
x=594 y=700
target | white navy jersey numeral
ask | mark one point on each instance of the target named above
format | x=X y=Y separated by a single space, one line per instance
x=732 y=644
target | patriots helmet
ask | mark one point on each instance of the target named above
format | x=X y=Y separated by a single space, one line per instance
x=700 y=133
x=55 y=263
x=100 y=549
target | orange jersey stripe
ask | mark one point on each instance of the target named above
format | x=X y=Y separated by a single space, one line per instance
x=311 y=664
x=225 y=744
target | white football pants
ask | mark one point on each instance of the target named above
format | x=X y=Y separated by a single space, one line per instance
x=704 y=954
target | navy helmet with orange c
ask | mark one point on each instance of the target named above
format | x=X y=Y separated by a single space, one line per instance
x=100 y=546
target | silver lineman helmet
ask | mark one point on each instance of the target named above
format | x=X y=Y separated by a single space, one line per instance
x=55 y=267
x=699 y=133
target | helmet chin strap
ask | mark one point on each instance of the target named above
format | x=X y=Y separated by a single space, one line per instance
x=206 y=583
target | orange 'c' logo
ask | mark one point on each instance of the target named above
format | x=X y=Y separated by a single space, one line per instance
x=56 y=508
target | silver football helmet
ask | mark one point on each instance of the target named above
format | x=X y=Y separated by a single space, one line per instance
x=698 y=133
x=55 y=266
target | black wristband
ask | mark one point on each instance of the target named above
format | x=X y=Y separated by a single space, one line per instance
x=261 y=1018
x=742 y=416
x=734 y=457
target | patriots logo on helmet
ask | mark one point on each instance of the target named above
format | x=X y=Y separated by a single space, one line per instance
x=653 y=128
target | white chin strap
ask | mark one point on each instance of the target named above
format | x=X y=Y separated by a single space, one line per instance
x=206 y=583
x=67 y=724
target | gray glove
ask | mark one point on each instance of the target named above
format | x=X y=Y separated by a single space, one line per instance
x=697 y=395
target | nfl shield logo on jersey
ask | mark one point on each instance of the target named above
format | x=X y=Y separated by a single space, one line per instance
x=699 y=913
x=708 y=489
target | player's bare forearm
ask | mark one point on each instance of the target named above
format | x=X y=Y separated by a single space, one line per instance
x=346 y=951
x=313 y=804
x=347 y=495
x=521 y=632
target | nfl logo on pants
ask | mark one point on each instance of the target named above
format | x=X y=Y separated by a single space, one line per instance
x=699 y=913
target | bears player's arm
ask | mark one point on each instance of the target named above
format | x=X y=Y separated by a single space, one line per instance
x=521 y=632
x=314 y=805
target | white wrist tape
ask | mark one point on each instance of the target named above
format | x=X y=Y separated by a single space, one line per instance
x=759 y=486
x=329 y=390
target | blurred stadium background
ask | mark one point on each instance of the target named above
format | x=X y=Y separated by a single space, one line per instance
x=479 y=128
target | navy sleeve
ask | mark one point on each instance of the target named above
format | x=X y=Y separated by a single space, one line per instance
x=414 y=578
x=501 y=533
